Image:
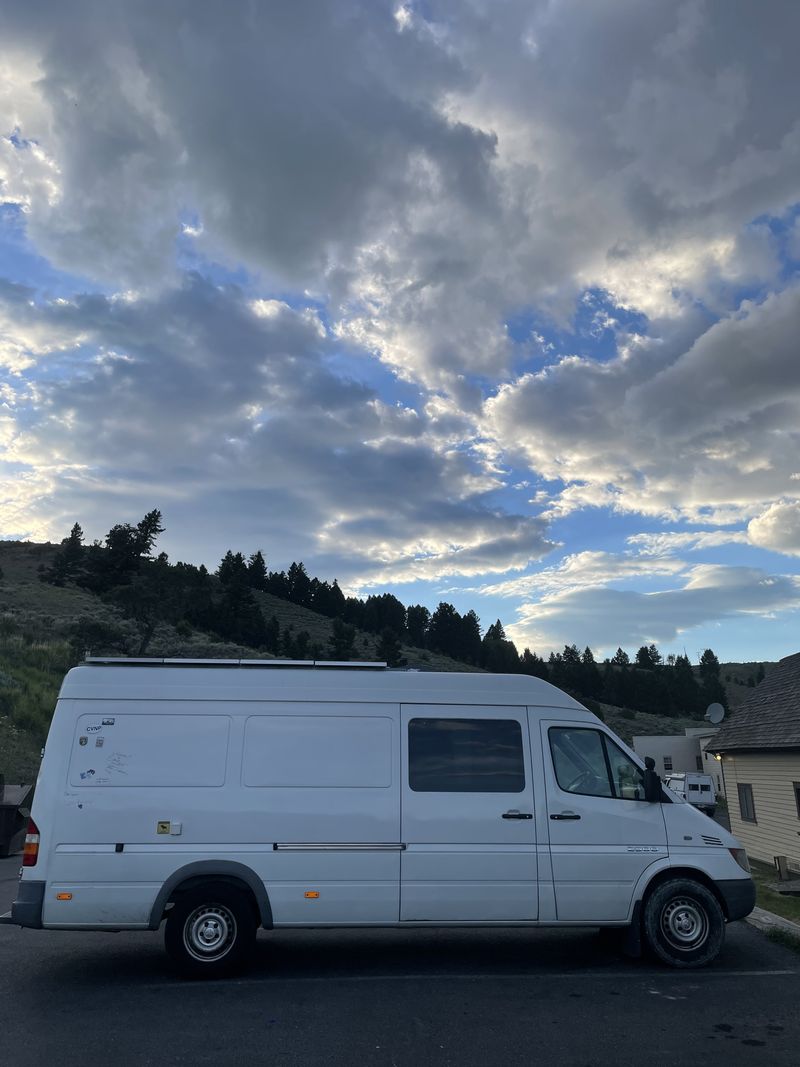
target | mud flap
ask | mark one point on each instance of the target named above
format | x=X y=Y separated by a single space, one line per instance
x=632 y=946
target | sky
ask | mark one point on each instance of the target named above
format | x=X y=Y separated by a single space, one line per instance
x=490 y=301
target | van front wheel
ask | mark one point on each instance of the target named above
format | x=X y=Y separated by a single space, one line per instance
x=683 y=923
x=210 y=931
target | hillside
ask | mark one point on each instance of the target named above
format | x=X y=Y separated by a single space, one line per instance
x=40 y=629
x=46 y=628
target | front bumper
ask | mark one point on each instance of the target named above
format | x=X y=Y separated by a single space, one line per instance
x=739 y=897
x=27 y=908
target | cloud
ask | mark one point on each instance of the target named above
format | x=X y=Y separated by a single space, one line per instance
x=688 y=428
x=425 y=173
x=632 y=618
x=404 y=183
x=582 y=570
x=225 y=412
x=778 y=528
x=660 y=544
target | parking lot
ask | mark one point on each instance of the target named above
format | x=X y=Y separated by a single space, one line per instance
x=444 y=997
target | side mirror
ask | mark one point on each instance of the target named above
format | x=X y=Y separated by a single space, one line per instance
x=652 y=782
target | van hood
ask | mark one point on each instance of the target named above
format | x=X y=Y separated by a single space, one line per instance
x=687 y=826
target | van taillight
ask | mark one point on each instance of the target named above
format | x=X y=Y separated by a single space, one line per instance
x=30 y=852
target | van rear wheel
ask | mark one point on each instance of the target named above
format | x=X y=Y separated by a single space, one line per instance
x=210 y=931
x=683 y=923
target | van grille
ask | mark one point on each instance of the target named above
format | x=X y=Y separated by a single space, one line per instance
x=711 y=840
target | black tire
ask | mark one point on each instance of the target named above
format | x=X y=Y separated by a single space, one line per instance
x=683 y=923
x=210 y=931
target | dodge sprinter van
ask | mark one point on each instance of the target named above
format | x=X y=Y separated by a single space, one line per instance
x=222 y=796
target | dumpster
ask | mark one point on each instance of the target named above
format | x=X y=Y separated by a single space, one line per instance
x=14 y=815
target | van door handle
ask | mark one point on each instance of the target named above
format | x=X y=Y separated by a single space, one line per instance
x=565 y=815
x=514 y=814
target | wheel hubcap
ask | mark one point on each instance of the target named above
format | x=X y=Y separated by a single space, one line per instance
x=209 y=932
x=684 y=924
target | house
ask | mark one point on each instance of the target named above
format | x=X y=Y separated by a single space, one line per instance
x=760 y=749
x=674 y=753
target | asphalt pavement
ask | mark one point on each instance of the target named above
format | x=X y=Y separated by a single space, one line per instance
x=392 y=997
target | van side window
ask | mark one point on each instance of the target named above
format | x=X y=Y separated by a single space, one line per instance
x=465 y=756
x=589 y=763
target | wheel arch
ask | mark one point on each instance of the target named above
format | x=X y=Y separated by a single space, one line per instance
x=667 y=874
x=195 y=874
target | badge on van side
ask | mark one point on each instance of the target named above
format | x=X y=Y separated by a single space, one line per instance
x=162 y=828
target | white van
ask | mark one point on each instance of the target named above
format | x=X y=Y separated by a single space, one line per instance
x=697 y=789
x=222 y=796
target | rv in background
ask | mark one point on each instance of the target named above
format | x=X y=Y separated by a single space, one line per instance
x=697 y=789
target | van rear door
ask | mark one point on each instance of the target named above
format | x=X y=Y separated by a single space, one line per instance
x=467 y=815
x=603 y=833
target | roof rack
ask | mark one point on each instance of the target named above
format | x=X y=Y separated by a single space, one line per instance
x=123 y=661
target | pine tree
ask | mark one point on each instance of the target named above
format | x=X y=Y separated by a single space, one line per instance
x=389 y=649
x=711 y=687
x=278 y=584
x=299 y=585
x=68 y=563
x=147 y=532
x=709 y=665
x=233 y=569
x=685 y=695
x=272 y=635
x=534 y=665
x=343 y=636
x=570 y=669
x=470 y=641
x=648 y=658
x=444 y=630
x=496 y=632
x=257 y=571
x=591 y=681
x=417 y=620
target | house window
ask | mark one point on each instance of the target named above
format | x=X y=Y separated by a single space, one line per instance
x=746 y=806
x=699 y=762
x=797 y=797
x=667 y=764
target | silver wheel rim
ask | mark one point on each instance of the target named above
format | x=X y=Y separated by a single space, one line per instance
x=209 y=932
x=684 y=924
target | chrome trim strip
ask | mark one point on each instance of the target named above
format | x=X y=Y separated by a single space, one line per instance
x=311 y=846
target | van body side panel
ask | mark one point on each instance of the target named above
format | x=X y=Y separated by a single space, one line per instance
x=463 y=860
x=304 y=794
x=322 y=780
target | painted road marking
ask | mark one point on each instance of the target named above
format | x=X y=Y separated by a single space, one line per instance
x=644 y=979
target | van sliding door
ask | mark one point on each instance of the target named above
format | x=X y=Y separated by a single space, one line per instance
x=467 y=815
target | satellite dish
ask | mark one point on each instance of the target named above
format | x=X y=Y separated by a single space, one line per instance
x=714 y=713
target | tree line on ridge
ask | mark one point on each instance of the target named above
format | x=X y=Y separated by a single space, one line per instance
x=148 y=589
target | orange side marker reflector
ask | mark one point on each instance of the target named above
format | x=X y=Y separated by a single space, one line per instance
x=312 y=894
x=63 y=896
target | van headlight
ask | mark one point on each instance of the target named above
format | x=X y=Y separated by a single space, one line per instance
x=740 y=855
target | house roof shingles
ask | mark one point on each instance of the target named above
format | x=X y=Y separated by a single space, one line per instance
x=770 y=719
